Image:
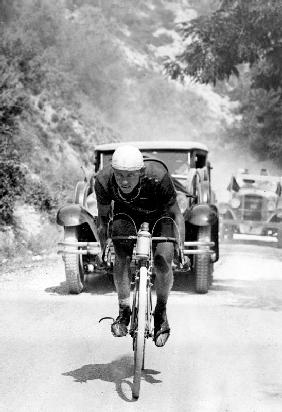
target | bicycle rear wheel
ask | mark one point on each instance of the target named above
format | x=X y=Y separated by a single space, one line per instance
x=139 y=347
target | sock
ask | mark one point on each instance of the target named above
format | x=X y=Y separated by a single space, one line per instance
x=161 y=304
x=124 y=302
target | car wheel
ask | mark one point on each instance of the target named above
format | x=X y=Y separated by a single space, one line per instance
x=73 y=264
x=203 y=265
x=230 y=233
x=279 y=238
x=211 y=274
x=222 y=231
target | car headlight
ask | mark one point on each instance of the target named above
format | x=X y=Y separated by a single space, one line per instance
x=271 y=206
x=182 y=201
x=222 y=208
x=235 y=203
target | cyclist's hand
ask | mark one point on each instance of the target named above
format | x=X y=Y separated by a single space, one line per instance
x=183 y=259
x=103 y=258
x=100 y=262
x=186 y=263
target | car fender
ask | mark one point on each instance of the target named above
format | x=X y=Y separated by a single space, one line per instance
x=205 y=192
x=203 y=215
x=276 y=216
x=81 y=192
x=75 y=215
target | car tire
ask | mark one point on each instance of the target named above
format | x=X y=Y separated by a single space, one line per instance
x=203 y=265
x=211 y=274
x=279 y=238
x=221 y=232
x=230 y=233
x=73 y=265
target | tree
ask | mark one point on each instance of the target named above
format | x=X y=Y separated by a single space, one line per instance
x=12 y=97
x=240 y=31
x=217 y=46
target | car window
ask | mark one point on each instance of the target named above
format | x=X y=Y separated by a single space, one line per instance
x=176 y=161
x=260 y=184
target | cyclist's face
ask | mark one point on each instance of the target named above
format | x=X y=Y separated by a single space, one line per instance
x=127 y=180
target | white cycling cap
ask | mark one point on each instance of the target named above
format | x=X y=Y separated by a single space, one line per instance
x=127 y=157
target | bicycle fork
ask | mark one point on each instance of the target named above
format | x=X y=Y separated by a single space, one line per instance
x=149 y=306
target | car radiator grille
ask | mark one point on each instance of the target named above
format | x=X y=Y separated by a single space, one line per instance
x=252 y=207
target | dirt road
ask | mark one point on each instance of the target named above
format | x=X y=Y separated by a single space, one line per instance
x=224 y=354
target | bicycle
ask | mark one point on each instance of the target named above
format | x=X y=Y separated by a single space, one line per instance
x=142 y=311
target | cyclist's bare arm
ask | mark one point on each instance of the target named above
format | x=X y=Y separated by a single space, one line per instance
x=103 y=220
x=177 y=216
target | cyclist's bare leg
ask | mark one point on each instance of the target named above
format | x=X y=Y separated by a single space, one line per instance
x=164 y=279
x=123 y=254
x=122 y=284
x=121 y=277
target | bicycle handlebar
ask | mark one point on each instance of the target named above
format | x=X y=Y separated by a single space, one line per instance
x=154 y=238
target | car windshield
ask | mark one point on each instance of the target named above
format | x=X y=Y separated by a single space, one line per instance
x=260 y=184
x=176 y=161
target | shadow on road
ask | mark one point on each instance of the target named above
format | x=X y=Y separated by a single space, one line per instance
x=273 y=390
x=98 y=284
x=60 y=289
x=117 y=371
x=101 y=284
x=229 y=285
x=183 y=282
x=248 y=296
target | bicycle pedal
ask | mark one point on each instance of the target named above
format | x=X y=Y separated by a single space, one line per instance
x=184 y=269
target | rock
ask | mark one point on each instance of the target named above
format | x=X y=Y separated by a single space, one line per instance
x=28 y=220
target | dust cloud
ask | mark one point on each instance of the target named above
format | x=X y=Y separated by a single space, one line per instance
x=225 y=164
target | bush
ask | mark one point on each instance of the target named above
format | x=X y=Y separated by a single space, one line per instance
x=12 y=180
x=38 y=194
x=45 y=241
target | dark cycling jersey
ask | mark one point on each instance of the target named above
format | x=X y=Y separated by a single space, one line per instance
x=151 y=198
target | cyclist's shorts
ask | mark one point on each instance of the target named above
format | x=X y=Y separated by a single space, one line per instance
x=125 y=225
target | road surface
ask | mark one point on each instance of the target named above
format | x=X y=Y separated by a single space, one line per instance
x=224 y=353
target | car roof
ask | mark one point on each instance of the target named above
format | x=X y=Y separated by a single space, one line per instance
x=157 y=145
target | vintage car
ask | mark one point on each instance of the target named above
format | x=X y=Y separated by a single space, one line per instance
x=190 y=169
x=254 y=206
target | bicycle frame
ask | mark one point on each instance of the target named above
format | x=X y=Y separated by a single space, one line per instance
x=149 y=305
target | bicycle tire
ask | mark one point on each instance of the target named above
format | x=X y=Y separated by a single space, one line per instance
x=149 y=314
x=139 y=347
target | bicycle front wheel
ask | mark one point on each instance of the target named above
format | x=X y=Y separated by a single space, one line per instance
x=139 y=346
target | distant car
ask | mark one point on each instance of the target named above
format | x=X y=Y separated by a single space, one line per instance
x=254 y=207
x=190 y=169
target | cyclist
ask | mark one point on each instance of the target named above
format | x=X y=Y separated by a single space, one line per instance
x=140 y=190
